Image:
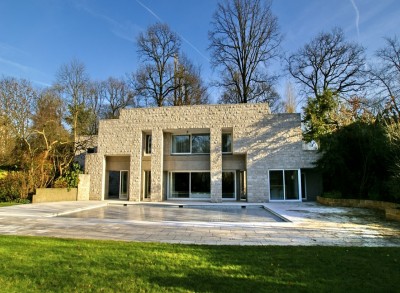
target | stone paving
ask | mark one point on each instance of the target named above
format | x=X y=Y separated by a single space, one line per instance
x=309 y=224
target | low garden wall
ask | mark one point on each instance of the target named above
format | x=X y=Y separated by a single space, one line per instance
x=392 y=210
x=55 y=194
x=64 y=194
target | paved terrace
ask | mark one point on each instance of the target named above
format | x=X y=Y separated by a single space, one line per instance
x=308 y=224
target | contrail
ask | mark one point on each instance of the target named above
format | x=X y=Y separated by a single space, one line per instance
x=182 y=37
x=357 y=16
x=149 y=10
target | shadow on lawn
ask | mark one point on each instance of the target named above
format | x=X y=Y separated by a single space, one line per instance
x=203 y=282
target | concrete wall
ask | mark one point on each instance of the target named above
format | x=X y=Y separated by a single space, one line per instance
x=55 y=194
x=261 y=141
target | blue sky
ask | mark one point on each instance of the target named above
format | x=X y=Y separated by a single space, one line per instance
x=38 y=36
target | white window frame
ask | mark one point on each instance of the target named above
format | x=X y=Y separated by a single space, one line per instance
x=123 y=195
x=284 y=188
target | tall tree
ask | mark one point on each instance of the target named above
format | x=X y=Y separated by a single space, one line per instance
x=50 y=150
x=387 y=76
x=157 y=48
x=73 y=83
x=244 y=37
x=329 y=62
x=116 y=95
x=16 y=100
x=189 y=87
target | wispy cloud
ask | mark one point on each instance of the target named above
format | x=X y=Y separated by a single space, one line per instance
x=19 y=70
x=357 y=16
x=23 y=68
x=156 y=16
x=7 y=49
x=126 y=30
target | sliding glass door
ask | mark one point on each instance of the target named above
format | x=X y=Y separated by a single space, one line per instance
x=284 y=184
x=195 y=185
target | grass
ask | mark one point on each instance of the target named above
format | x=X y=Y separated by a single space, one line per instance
x=32 y=264
x=8 y=203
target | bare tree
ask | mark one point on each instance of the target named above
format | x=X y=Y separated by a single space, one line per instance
x=244 y=37
x=387 y=76
x=117 y=96
x=73 y=81
x=189 y=87
x=16 y=100
x=329 y=62
x=290 y=103
x=157 y=47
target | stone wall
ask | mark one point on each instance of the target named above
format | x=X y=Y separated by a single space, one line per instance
x=267 y=141
x=392 y=210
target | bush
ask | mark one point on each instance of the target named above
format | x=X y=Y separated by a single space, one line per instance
x=60 y=183
x=13 y=187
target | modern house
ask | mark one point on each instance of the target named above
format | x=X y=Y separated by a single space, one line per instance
x=207 y=152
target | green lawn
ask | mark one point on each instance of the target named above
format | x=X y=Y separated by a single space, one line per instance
x=8 y=203
x=31 y=264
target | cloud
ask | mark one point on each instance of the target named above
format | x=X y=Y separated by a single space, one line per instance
x=126 y=31
x=357 y=16
x=27 y=72
x=25 y=69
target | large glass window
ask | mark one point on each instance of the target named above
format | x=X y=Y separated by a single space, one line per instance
x=200 y=182
x=180 y=185
x=181 y=144
x=190 y=185
x=228 y=185
x=200 y=143
x=191 y=144
x=226 y=142
x=284 y=184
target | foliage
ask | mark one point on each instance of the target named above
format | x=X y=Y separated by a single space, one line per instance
x=320 y=116
x=392 y=132
x=243 y=39
x=32 y=264
x=13 y=187
x=356 y=161
x=70 y=178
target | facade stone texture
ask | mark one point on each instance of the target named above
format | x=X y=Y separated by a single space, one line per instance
x=261 y=141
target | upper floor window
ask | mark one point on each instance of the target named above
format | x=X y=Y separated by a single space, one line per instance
x=147 y=148
x=201 y=143
x=227 y=142
x=191 y=144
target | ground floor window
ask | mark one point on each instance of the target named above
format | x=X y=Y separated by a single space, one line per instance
x=190 y=185
x=228 y=185
x=284 y=184
x=147 y=184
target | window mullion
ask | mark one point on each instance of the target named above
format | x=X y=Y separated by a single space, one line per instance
x=284 y=185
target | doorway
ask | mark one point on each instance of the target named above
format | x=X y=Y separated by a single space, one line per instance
x=118 y=184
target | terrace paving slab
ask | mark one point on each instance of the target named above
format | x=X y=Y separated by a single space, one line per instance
x=309 y=224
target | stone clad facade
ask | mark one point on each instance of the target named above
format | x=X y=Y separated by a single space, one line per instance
x=260 y=142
